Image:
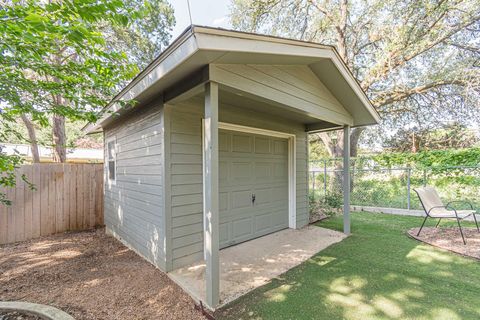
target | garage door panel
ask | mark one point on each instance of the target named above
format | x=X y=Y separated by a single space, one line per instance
x=263 y=170
x=262 y=196
x=280 y=170
x=279 y=194
x=263 y=222
x=241 y=143
x=262 y=145
x=240 y=172
x=253 y=164
x=224 y=232
x=241 y=199
x=223 y=201
x=280 y=147
x=241 y=228
x=224 y=142
x=223 y=173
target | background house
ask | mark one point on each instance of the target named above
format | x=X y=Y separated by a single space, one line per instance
x=74 y=155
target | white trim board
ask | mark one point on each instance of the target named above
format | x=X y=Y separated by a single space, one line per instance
x=292 y=156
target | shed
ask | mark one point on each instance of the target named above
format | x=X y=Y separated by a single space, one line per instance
x=214 y=151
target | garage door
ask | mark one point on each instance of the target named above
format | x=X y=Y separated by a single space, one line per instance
x=253 y=178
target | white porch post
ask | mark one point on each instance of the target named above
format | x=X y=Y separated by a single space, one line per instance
x=346 y=179
x=210 y=194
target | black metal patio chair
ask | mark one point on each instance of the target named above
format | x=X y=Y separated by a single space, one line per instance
x=435 y=209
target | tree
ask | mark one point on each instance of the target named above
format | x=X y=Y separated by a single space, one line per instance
x=54 y=63
x=449 y=136
x=32 y=135
x=141 y=39
x=144 y=38
x=416 y=60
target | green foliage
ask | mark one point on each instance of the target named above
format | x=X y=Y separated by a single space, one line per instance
x=144 y=38
x=326 y=204
x=426 y=159
x=417 y=61
x=8 y=164
x=53 y=49
x=75 y=136
x=54 y=60
x=450 y=136
x=421 y=160
x=378 y=272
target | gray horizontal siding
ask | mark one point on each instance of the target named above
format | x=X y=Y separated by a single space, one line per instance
x=185 y=172
x=134 y=203
x=186 y=185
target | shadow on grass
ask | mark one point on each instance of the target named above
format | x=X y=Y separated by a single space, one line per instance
x=377 y=273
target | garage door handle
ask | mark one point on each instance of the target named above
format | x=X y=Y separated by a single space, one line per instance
x=253 y=198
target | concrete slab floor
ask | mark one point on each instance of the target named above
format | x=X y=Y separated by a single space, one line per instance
x=251 y=264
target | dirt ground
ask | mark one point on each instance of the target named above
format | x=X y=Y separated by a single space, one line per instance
x=450 y=239
x=91 y=276
x=17 y=316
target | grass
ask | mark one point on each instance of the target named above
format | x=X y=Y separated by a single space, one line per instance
x=376 y=273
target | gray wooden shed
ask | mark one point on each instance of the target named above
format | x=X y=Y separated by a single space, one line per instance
x=214 y=152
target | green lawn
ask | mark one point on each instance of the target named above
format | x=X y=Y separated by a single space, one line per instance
x=376 y=273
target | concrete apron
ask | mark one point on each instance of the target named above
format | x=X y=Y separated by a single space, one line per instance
x=251 y=264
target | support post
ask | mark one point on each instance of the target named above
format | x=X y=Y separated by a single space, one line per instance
x=346 y=179
x=210 y=194
x=324 y=179
x=409 y=173
x=313 y=185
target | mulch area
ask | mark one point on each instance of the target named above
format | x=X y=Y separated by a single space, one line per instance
x=17 y=316
x=450 y=239
x=90 y=276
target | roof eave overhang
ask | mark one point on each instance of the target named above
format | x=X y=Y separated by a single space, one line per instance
x=194 y=48
x=180 y=50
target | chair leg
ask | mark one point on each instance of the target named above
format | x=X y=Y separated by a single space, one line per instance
x=424 y=220
x=476 y=223
x=461 y=232
x=438 y=222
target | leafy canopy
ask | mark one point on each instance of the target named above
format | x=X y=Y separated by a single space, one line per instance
x=418 y=61
x=50 y=49
x=55 y=60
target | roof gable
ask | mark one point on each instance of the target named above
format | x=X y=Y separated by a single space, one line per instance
x=198 y=47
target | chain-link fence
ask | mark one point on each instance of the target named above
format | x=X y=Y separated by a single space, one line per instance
x=392 y=187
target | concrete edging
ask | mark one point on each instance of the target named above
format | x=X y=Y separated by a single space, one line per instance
x=396 y=211
x=40 y=310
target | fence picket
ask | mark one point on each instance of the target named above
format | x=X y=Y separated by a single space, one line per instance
x=36 y=202
x=66 y=197
x=3 y=221
x=20 y=207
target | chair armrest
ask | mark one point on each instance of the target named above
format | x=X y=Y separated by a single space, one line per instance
x=459 y=201
x=438 y=207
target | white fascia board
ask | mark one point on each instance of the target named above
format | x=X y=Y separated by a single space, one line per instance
x=261 y=38
x=238 y=42
x=352 y=82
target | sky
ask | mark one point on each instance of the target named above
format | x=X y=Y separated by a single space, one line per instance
x=212 y=13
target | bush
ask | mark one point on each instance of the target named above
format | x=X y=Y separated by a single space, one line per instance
x=326 y=206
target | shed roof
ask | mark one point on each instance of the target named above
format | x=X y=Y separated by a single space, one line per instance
x=200 y=46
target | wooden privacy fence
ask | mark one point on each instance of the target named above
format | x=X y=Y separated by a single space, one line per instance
x=67 y=197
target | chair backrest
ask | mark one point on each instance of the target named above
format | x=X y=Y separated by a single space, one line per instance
x=429 y=198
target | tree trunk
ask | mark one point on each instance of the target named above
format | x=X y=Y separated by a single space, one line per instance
x=335 y=150
x=32 y=136
x=354 y=138
x=59 y=139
